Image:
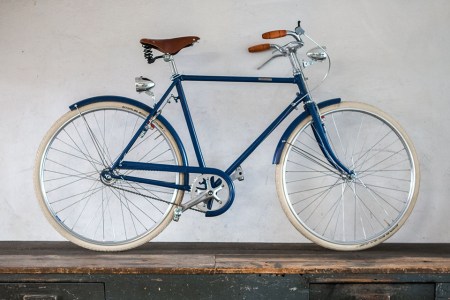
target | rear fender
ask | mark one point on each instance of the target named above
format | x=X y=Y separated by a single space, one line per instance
x=293 y=125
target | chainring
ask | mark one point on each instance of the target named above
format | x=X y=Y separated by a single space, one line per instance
x=218 y=188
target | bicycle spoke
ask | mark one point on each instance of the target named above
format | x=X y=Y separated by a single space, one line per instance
x=88 y=156
x=77 y=194
x=126 y=204
x=87 y=199
x=344 y=151
x=310 y=178
x=88 y=176
x=314 y=159
x=77 y=149
x=313 y=189
x=379 y=193
x=143 y=198
x=363 y=211
x=370 y=150
x=310 y=169
x=142 y=141
x=102 y=135
x=373 y=214
x=151 y=150
x=94 y=141
x=321 y=193
x=357 y=140
x=368 y=172
x=325 y=193
x=383 y=160
x=335 y=206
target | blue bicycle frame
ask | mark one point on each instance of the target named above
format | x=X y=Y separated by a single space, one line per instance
x=302 y=97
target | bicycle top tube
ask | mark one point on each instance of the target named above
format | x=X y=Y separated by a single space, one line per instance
x=239 y=79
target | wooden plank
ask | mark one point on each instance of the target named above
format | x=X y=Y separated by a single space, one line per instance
x=110 y=264
x=384 y=259
x=316 y=265
x=224 y=258
x=66 y=258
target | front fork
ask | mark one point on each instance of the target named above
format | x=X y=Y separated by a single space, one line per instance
x=319 y=131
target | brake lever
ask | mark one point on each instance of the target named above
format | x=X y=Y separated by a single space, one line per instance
x=299 y=30
x=269 y=60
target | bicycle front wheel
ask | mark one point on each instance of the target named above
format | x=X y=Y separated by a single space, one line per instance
x=339 y=212
x=90 y=211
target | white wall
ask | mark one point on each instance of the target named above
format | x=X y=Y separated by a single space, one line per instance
x=392 y=54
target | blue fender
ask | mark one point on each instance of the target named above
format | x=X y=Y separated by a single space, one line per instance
x=141 y=106
x=298 y=120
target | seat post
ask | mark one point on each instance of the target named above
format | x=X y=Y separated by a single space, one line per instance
x=169 y=58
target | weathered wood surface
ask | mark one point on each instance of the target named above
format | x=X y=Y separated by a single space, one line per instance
x=222 y=258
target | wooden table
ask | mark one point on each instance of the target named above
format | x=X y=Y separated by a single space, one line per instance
x=224 y=271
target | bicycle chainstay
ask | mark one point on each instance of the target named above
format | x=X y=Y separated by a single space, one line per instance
x=154 y=198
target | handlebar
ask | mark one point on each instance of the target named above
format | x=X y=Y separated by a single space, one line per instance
x=274 y=34
x=259 y=48
x=289 y=50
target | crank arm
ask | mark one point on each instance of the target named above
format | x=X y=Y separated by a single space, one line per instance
x=198 y=199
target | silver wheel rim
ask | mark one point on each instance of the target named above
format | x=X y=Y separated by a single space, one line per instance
x=375 y=212
x=83 y=205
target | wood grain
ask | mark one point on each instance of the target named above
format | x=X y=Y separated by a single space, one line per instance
x=223 y=258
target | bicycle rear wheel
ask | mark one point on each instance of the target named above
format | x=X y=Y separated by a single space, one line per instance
x=91 y=212
x=344 y=213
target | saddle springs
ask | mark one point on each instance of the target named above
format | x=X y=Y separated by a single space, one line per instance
x=148 y=54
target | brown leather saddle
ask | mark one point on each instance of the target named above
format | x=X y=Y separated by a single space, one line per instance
x=170 y=46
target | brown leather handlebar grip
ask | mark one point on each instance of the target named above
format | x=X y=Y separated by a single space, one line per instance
x=274 y=34
x=259 y=48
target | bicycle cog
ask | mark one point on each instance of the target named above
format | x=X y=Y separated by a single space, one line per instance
x=218 y=191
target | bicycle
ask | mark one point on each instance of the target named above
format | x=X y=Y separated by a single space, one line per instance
x=112 y=172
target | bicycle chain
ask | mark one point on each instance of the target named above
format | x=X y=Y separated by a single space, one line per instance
x=154 y=198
